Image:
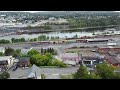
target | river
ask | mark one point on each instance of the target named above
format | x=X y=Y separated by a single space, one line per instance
x=64 y=34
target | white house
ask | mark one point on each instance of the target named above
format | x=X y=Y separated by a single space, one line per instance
x=6 y=61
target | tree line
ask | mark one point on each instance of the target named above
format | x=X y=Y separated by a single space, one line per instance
x=48 y=50
x=13 y=40
x=102 y=71
x=36 y=57
x=40 y=38
x=44 y=60
x=93 y=22
x=3 y=41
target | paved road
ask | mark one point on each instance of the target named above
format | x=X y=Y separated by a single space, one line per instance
x=59 y=70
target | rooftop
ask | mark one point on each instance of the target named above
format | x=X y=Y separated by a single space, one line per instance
x=2 y=58
x=98 y=39
x=91 y=58
x=23 y=58
x=33 y=70
x=87 y=53
x=69 y=55
x=113 y=60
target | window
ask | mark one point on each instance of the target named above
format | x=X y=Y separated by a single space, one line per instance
x=87 y=62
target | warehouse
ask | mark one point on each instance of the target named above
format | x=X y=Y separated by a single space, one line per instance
x=97 y=40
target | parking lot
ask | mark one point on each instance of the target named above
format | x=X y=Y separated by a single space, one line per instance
x=51 y=73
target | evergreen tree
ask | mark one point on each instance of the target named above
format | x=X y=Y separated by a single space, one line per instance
x=82 y=73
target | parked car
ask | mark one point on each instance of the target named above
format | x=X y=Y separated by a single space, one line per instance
x=14 y=68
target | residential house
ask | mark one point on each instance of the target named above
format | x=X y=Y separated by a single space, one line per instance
x=23 y=61
x=90 y=61
x=33 y=73
x=6 y=62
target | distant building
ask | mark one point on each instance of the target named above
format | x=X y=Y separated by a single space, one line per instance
x=52 y=18
x=97 y=40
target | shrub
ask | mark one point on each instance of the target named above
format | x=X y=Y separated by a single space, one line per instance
x=4 y=75
x=58 y=63
x=43 y=76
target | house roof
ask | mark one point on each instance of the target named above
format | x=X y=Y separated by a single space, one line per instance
x=112 y=59
x=69 y=55
x=23 y=58
x=4 y=58
x=90 y=58
x=34 y=69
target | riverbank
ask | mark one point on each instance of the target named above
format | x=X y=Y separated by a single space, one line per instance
x=74 y=29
